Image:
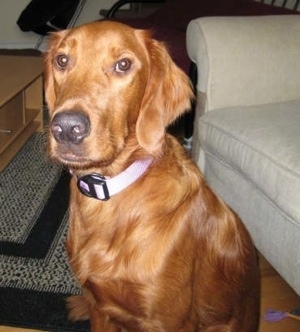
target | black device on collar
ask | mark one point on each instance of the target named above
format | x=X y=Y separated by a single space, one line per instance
x=93 y=185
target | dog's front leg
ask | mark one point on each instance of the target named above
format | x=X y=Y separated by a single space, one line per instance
x=100 y=323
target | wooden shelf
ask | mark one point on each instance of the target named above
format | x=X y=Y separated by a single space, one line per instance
x=9 y=135
x=21 y=103
x=17 y=143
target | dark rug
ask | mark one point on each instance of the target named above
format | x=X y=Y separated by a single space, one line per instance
x=35 y=278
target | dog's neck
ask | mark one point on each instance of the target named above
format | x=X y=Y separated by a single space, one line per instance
x=98 y=186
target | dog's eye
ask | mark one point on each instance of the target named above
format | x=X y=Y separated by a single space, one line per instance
x=61 y=61
x=123 y=65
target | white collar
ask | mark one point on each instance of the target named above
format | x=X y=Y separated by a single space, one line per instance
x=100 y=187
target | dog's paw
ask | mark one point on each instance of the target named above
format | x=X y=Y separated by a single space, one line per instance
x=78 y=308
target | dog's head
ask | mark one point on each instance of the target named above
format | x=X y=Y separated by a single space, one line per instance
x=107 y=84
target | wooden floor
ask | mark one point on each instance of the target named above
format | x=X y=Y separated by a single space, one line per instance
x=276 y=294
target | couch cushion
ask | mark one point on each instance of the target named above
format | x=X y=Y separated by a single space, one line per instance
x=262 y=143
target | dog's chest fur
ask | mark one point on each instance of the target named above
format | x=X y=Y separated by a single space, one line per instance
x=127 y=260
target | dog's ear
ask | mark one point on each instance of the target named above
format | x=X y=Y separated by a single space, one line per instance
x=168 y=94
x=54 y=40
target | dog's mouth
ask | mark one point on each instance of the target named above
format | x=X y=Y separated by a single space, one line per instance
x=77 y=157
x=69 y=158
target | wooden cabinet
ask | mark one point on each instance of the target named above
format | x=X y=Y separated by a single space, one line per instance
x=21 y=103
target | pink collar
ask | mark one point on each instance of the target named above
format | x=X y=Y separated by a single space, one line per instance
x=100 y=187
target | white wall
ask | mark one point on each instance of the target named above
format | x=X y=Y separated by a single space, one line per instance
x=11 y=37
x=10 y=34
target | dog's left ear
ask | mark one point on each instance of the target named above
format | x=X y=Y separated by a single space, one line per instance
x=168 y=94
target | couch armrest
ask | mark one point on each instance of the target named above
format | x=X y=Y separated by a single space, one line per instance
x=244 y=61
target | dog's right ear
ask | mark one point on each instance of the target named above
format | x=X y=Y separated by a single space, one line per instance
x=54 y=40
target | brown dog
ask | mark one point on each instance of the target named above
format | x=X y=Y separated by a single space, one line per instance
x=152 y=246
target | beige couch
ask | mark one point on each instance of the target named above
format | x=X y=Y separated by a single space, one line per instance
x=247 y=128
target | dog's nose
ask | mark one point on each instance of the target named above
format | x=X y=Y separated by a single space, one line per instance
x=70 y=127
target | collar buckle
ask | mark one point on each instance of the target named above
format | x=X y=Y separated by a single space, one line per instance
x=94 y=185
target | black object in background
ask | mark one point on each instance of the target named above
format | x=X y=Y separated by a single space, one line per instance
x=44 y=16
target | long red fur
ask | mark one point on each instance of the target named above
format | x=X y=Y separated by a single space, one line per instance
x=166 y=253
